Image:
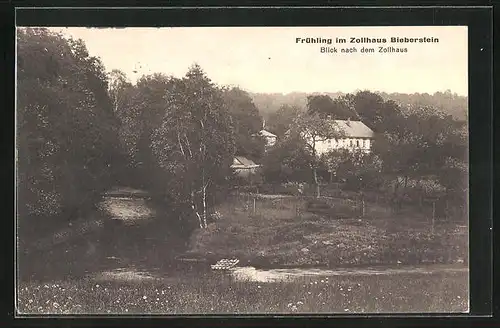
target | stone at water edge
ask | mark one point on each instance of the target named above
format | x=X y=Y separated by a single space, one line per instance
x=224 y=264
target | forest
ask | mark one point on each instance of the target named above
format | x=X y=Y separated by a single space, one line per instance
x=82 y=130
x=448 y=102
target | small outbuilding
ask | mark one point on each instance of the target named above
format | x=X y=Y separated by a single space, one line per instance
x=244 y=167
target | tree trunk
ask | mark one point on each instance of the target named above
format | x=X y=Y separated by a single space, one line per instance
x=204 y=195
x=315 y=175
x=395 y=197
x=400 y=198
x=363 y=209
x=193 y=206
x=205 y=205
x=199 y=219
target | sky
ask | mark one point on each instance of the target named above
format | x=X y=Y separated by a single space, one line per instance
x=269 y=59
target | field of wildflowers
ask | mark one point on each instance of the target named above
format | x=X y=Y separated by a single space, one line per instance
x=220 y=294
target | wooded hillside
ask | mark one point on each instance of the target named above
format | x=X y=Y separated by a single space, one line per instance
x=448 y=102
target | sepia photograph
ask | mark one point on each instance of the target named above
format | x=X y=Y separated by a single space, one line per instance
x=242 y=170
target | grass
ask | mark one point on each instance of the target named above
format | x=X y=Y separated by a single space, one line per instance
x=149 y=247
x=144 y=237
x=65 y=280
x=281 y=233
x=206 y=293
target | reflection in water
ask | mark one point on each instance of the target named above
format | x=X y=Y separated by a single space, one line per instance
x=125 y=275
x=273 y=275
x=127 y=209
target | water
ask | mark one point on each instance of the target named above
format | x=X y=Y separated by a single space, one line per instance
x=135 y=262
x=290 y=274
x=135 y=209
x=251 y=274
x=125 y=274
x=128 y=209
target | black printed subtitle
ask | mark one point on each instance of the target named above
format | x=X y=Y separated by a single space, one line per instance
x=363 y=50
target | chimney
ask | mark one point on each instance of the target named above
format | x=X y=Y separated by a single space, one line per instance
x=263 y=124
x=348 y=121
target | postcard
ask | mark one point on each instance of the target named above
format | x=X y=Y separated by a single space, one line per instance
x=242 y=170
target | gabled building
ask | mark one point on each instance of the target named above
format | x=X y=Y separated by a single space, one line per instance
x=355 y=136
x=269 y=137
x=244 y=166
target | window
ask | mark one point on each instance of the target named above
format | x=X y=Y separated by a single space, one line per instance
x=357 y=143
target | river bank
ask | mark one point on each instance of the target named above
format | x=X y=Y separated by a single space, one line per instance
x=130 y=268
x=279 y=233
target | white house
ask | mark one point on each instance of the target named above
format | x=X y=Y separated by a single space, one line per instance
x=269 y=137
x=355 y=136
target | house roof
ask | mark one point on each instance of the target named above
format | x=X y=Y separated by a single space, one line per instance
x=240 y=161
x=266 y=133
x=355 y=129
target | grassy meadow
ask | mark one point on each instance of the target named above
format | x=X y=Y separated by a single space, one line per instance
x=279 y=232
x=215 y=293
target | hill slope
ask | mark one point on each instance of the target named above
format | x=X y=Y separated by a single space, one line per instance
x=448 y=102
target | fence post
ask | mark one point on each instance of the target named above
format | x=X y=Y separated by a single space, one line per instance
x=447 y=210
x=254 y=205
x=433 y=215
x=362 y=206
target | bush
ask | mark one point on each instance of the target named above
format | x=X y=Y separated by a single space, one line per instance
x=292 y=188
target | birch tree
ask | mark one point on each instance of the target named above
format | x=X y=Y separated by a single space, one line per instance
x=194 y=143
x=117 y=88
